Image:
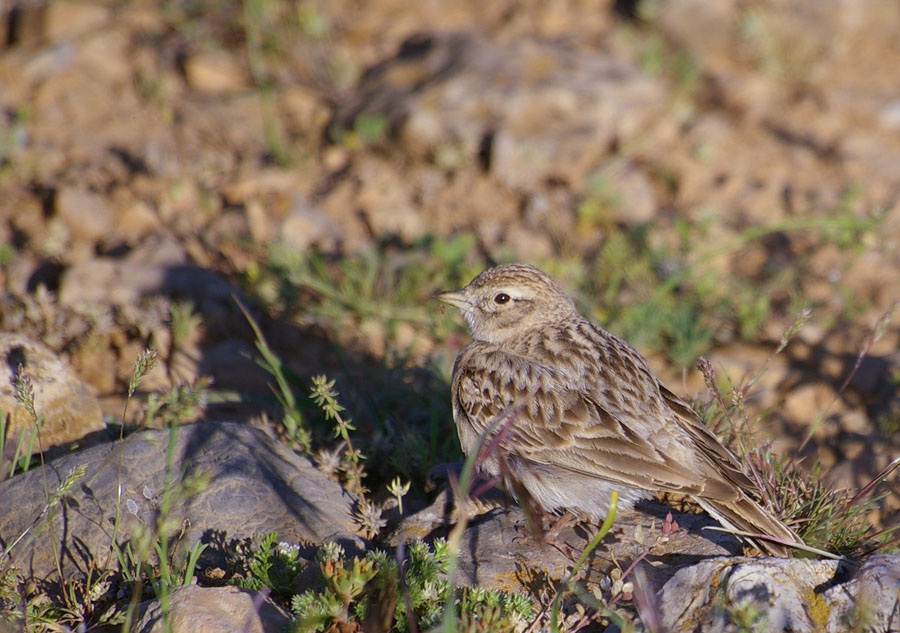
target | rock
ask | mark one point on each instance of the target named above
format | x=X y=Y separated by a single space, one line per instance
x=135 y=220
x=561 y=123
x=801 y=596
x=255 y=485
x=782 y=594
x=194 y=609
x=103 y=58
x=497 y=546
x=626 y=192
x=304 y=106
x=86 y=214
x=386 y=199
x=306 y=225
x=889 y=115
x=215 y=73
x=70 y=411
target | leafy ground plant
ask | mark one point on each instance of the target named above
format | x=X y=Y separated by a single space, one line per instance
x=403 y=593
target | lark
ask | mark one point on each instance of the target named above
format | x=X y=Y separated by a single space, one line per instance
x=587 y=416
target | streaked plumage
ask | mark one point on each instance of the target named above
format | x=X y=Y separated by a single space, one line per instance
x=591 y=417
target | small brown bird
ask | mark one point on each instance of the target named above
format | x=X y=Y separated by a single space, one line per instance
x=592 y=417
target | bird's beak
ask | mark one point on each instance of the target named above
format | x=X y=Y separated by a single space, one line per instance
x=456 y=298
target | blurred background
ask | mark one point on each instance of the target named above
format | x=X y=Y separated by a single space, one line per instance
x=709 y=180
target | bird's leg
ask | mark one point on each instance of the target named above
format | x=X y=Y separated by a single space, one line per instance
x=555 y=525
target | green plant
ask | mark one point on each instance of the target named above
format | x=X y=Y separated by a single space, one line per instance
x=598 y=209
x=398 y=490
x=748 y=617
x=367 y=129
x=259 y=18
x=658 y=56
x=274 y=565
x=76 y=598
x=325 y=397
x=149 y=555
x=28 y=438
x=386 y=284
x=13 y=138
x=344 y=581
x=179 y=404
x=828 y=517
x=632 y=279
x=10 y=610
x=568 y=582
x=183 y=323
x=653 y=285
x=293 y=425
x=72 y=603
x=23 y=450
x=403 y=597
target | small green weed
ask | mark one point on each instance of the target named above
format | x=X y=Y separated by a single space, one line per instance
x=274 y=565
x=367 y=130
x=748 y=617
x=405 y=597
x=179 y=404
x=293 y=424
x=325 y=397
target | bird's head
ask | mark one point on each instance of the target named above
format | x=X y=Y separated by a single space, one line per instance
x=504 y=302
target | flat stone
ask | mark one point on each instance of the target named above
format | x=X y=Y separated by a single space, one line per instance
x=256 y=485
x=497 y=546
x=68 y=20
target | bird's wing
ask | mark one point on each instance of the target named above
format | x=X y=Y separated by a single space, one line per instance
x=577 y=427
x=707 y=442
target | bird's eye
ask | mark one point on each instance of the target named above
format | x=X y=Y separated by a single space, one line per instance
x=501 y=298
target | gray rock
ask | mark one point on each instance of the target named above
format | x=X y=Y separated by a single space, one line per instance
x=255 y=485
x=497 y=547
x=771 y=594
x=194 y=609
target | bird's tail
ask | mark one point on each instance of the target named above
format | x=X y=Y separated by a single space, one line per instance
x=746 y=515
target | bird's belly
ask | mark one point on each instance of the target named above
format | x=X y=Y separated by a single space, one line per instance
x=558 y=489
